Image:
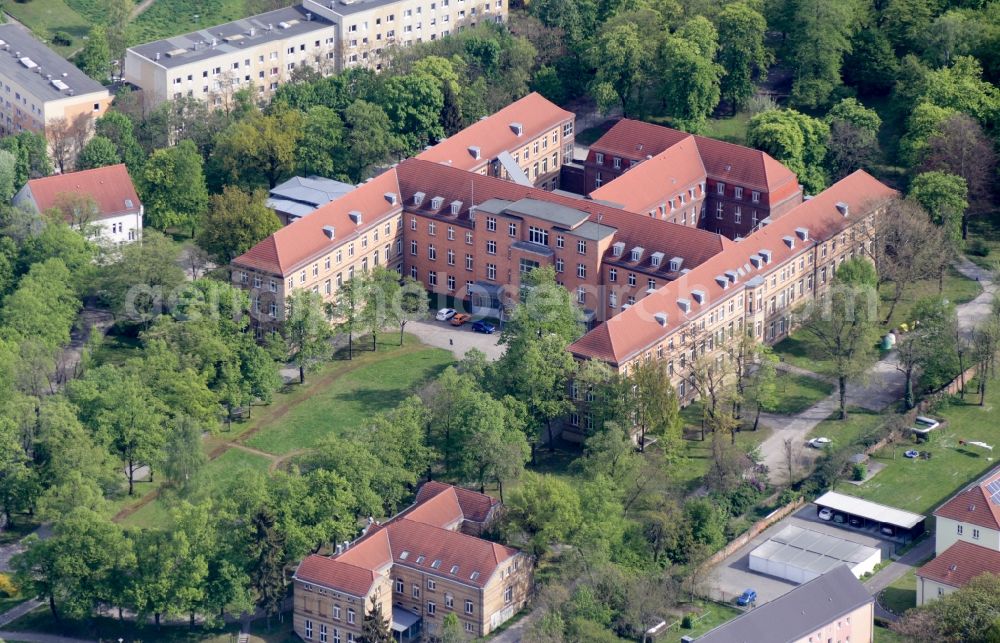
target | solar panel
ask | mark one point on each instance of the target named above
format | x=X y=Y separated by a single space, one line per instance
x=994 y=490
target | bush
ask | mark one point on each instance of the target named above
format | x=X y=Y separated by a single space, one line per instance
x=859 y=471
x=7 y=586
x=687 y=622
x=978 y=248
x=62 y=39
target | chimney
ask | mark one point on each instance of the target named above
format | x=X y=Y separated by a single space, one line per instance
x=661 y=318
x=355 y=216
x=843 y=208
x=253 y=32
x=157 y=55
x=329 y=231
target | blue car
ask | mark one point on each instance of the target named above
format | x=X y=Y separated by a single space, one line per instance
x=483 y=327
x=749 y=597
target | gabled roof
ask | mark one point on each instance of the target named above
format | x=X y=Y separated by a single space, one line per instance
x=475 y=506
x=632 y=139
x=432 y=179
x=336 y=574
x=110 y=187
x=960 y=563
x=977 y=504
x=797 y=614
x=495 y=134
x=305 y=239
x=637 y=328
x=657 y=179
x=728 y=162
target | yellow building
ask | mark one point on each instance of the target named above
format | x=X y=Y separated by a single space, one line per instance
x=41 y=91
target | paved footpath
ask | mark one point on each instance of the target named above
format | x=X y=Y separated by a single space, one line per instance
x=30 y=637
x=882 y=386
x=895 y=570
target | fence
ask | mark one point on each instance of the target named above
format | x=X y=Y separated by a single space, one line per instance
x=753 y=532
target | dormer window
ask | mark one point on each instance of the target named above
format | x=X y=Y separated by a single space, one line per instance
x=420 y=559
x=720 y=189
x=738 y=192
x=456 y=207
x=454 y=569
x=418 y=198
x=684 y=305
x=789 y=241
x=390 y=197
x=517 y=128
x=474 y=151
x=699 y=296
x=676 y=263
x=802 y=233
x=637 y=253
x=765 y=255
x=599 y=158
x=128 y=204
x=437 y=202
x=404 y=555
x=656 y=259
x=756 y=261
x=722 y=281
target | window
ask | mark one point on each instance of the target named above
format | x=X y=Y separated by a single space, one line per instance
x=309 y=629
x=432 y=278
x=416 y=591
x=491 y=247
x=538 y=235
x=451 y=257
x=508 y=594
x=631 y=279
x=960 y=529
x=599 y=158
x=449 y=600
x=491 y=272
x=413 y=248
x=651 y=283
x=755 y=196
x=468 y=238
x=612 y=300
x=581 y=247
x=432 y=253
x=720 y=189
x=612 y=274
x=431 y=585
x=468 y=607
x=431 y=608
x=468 y=262
x=451 y=233
x=560 y=264
x=432 y=228
x=617 y=163
x=350 y=616
x=336 y=635
x=512 y=229
x=975 y=534
x=560 y=241
x=738 y=214
x=581 y=295
x=322 y=633
x=491 y=224
x=738 y=192
x=399 y=585
x=451 y=282
x=718 y=210
x=581 y=271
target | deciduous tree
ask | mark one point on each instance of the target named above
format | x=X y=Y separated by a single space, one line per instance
x=236 y=221
x=742 y=53
x=306 y=330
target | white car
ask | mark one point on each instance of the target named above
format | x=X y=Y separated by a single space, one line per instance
x=825 y=514
x=445 y=314
x=818 y=443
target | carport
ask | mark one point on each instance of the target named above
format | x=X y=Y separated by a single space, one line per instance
x=888 y=521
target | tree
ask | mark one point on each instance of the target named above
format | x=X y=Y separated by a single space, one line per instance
x=844 y=322
x=410 y=304
x=322 y=137
x=375 y=627
x=960 y=147
x=742 y=53
x=929 y=347
x=260 y=148
x=945 y=197
x=184 y=455
x=95 y=58
x=381 y=288
x=267 y=563
x=985 y=346
x=117 y=14
x=145 y=275
x=173 y=187
x=690 y=84
x=757 y=375
x=98 y=152
x=871 y=66
x=657 y=407
x=306 y=330
x=622 y=62
x=32 y=152
x=496 y=447
x=906 y=22
x=120 y=130
x=236 y=221
x=8 y=175
x=413 y=103
x=796 y=140
x=348 y=308
x=923 y=123
x=369 y=137
x=817 y=45
x=967 y=614
x=546 y=509
x=451 y=629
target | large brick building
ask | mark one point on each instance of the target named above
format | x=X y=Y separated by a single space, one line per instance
x=421 y=565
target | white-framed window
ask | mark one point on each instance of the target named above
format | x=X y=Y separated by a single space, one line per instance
x=491 y=272
x=560 y=264
x=631 y=279
x=432 y=280
x=512 y=229
x=322 y=633
x=738 y=192
x=755 y=196
x=491 y=247
x=431 y=608
x=720 y=189
x=581 y=247
x=975 y=534
x=581 y=295
x=491 y=224
x=612 y=274
x=508 y=594
x=336 y=612
x=432 y=253
x=718 y=210
x=581 y=271
x=468 y=238
x=449 y=600
x=309 y=629
x=960 y=529
x=350 y=616
x=468 y=607
x=599 y=158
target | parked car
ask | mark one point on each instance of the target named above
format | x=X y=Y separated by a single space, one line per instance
x=819 y=443
x=460 y=318
x=748 y=597
x=483 y=327
x=839 y=518
x=825 y=514
x=854 y=521
x=888 y=530
x=445 y=314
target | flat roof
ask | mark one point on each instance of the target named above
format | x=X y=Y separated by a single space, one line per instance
x=870 y=510
x=556 y=213
x=812 y=550
x=267 y=27
x=26 y=61
x=347 y=7
x=798 y=613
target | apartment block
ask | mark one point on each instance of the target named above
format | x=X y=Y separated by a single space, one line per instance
x=259 y=53
x=692 y=180
x=366 y=28
x=426 y=562
x=39 y=87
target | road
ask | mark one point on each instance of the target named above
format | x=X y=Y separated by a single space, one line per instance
x=882 y=387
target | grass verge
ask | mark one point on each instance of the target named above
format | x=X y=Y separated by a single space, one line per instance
x=46 y=18
x=796 y=393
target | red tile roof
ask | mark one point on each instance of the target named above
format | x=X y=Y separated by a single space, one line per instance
x=723 y=161
x=960 y=563
x=110 y=187
x=305 y=240
x=631 y=139
x=419 y=531
x=336 y=574
x=974 y=505
x=655 y=180
x=693 y=244
x=476 y=507
x=637 y=329
x=494 y=134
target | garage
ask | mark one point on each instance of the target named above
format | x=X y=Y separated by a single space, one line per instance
x=800 y=555
x=888 y=522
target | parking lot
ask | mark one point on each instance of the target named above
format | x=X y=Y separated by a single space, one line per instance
x=733 y=575
x=457 y=339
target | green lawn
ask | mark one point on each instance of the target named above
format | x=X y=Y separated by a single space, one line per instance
x=713 y=615
x=733 y=129
x=859 y=421
x=109 y=629
x=984 y=237
x=383 y=380
x=116 y=349
x=46 y=17
x=698 y=455
x=921 y=485
x=797 y=392
x=901 y=594
x=228 y=466
x=171 y=17
x=885 y=635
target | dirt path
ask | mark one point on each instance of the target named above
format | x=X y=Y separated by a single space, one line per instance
x=140 y=8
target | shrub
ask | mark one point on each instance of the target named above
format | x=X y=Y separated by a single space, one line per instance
x=687 y=622
x=859 y=471
x=7 y=586
x=978 y=248
x=62 y=39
